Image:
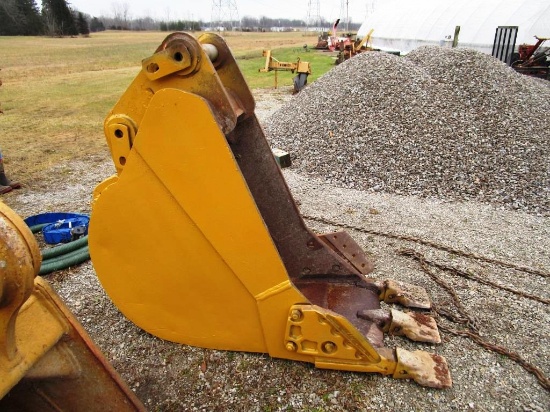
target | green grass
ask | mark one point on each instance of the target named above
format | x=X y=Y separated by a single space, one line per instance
x=56 y=92
x=250 y=64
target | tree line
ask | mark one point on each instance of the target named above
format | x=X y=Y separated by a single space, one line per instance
x=58 y=18
x=55 y=18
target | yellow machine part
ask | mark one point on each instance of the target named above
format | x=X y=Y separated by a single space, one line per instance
x=164 y=246
x=179 y=243
x=47 y=361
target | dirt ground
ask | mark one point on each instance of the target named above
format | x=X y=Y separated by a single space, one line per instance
x=173 y=377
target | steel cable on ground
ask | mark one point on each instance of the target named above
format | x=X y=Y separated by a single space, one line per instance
x=464 y=317
x=434 y=245
x=459 y=272
x=471 y=323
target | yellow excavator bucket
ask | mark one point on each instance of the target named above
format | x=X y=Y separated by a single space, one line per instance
x=47 y=360
x=197 y=238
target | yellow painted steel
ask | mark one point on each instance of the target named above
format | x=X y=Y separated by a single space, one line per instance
x=32 y=342
x=176 y=237
x=180 y=251
x=19 y=263
x=364 y=42
x=47 y=361
x=185 y=254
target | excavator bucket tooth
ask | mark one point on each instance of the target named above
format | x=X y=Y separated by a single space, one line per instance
x=415 y=326
x=380 y=317
x=237 y=269
x=405 y=294
x=427 y=369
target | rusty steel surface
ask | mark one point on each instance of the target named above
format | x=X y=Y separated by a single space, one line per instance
x=230 y=76
x=302 y=252
x=327 y=269
x=47 y=361
x=346 y=299
x=84 y=381
x=330 y=270
x=414 y=325
x=432 y=369
x=344 y=244
x=405 y=294
x=238 y=227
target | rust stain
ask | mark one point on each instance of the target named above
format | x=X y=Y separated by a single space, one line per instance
x=442 y=371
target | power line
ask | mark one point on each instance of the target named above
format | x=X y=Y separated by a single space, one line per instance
x=313 y=14
x=225 y=12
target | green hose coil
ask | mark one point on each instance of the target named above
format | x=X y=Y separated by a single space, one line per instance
x=64 y=248
x=72 y=258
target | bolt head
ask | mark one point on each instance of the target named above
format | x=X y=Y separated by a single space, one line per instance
x=329 y=347
x=296 y=315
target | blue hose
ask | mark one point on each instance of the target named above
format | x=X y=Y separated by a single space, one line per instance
x=62 y=256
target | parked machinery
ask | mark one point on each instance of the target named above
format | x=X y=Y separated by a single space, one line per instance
x=336 y=42
x=322 y=41
x=532 y=60
x=303 y=69
x=347 y=45
x=197 y=238
x=349 y=49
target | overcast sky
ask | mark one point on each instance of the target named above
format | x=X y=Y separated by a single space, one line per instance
x=202 y=9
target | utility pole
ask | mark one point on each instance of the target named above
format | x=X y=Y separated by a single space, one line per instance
x=347 y=16
x=224 y=11
x=344 y=11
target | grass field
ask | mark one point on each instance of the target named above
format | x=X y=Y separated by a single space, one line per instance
x=57 y=91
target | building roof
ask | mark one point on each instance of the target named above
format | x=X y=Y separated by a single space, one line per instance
x=404 y=26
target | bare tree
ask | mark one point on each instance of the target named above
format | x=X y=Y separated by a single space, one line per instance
x=50 y=24
x=121 y=14
x=117 y=14
x=126 y=14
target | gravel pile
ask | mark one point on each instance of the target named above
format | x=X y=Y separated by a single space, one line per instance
x=453 y=124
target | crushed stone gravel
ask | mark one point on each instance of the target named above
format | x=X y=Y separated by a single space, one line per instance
x=173 y=377
x=452 y=124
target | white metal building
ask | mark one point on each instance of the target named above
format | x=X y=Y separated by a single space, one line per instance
x=407 y=24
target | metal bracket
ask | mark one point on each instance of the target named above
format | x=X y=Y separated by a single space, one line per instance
x=342 y=243
x=312 y=330
x=121 y=132
x=335 y=344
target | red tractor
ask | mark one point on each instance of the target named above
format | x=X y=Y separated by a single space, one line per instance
x=532 y=60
